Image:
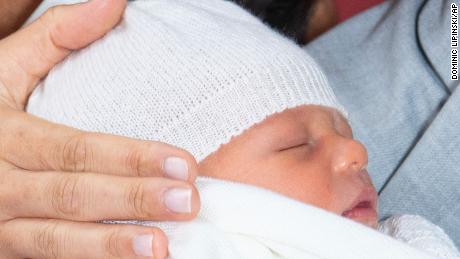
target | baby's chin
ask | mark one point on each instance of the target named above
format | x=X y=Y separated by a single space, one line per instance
x=371 y=223
x=365 y=216
x=368 y=221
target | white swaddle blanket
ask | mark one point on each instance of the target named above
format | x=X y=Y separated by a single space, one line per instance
x=243 y=221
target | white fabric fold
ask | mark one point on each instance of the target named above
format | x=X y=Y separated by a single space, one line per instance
x=418 y=232
x=242 y=221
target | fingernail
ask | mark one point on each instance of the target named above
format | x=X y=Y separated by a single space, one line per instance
x=179 y=200
x=143 y=245
x=176 y=168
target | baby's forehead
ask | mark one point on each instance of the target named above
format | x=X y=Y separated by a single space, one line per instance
x=301 y=115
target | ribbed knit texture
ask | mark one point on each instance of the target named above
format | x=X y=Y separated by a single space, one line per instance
x=189 y=73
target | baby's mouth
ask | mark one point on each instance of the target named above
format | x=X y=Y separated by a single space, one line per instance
x=364 y=208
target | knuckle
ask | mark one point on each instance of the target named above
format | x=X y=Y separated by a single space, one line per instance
x=136 y=200
x=5 y=195
x=115 y=244
x=134 y=161
x=76 y=153
x=50 y=13
x=6 y=238
x=66 y=196
x=47 y=21
x=48 y=242
x=10 y=196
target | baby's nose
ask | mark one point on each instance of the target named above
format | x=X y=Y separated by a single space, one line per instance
x=348 y=156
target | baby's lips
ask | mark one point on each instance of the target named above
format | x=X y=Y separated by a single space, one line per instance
x=362 y=210
x=364 y=205
x=363 y=213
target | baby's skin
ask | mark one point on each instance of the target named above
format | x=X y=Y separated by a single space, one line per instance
x=306 y=153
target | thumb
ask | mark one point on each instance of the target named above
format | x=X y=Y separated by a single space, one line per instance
x=28 y=55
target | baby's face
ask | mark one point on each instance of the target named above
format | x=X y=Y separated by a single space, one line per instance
x=306 y=153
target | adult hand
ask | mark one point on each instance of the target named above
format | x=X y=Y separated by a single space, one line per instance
x=56 y=182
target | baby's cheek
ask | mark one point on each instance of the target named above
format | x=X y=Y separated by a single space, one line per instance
x=311 y=184
x=290 y=173
x=343 y=192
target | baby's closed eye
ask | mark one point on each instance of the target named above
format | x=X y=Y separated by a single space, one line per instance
x=305 y=144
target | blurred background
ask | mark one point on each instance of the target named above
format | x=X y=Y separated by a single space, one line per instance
x=348 y=8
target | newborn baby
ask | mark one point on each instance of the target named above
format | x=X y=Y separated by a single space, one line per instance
x=307 y=153
x=253 y=108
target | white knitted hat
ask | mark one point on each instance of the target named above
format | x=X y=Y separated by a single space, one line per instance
x=191 y=73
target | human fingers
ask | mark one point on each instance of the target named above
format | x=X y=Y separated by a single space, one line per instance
x=37 y=145
x=93 y=197
x=28 y=55
x=40 y=238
